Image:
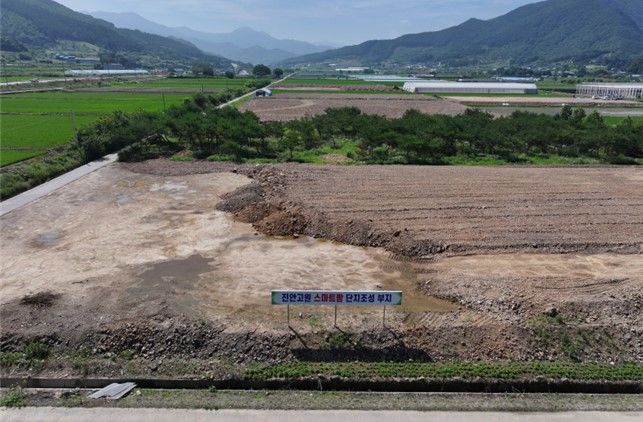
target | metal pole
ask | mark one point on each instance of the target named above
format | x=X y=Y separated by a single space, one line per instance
x=335 y=323
x=73 y=126
x=288 y=310
x=384 y=317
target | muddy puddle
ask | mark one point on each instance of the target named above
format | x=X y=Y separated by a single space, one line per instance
x=179 y=271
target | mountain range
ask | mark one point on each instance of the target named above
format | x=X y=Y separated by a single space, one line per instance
x=243 y=44
x=546 y=32
x=37 y=25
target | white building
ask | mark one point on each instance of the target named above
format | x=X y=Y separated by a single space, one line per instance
x=386 y=78
x=470 y=88
x=101 y=72
x=352 y=69
x=611 y=90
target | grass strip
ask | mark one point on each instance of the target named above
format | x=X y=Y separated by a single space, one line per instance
x=445 y=370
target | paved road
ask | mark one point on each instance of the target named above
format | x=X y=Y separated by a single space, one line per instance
x=37 y=414
x=46 y=188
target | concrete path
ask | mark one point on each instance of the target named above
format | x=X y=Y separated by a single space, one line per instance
x=46 y=188
x=37 y=414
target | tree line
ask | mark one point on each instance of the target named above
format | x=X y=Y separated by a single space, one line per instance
x=199 y=126
x=206 y=131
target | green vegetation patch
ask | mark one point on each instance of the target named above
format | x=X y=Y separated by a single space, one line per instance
x=335 y=81
x=9 y=157
x=39 y=131
x=447 y=370
x=333 y=400
x=86 y=102
x=217 y=83
x=336 y=91
x=14 y=397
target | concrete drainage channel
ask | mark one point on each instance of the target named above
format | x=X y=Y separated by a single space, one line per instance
x=341 y=384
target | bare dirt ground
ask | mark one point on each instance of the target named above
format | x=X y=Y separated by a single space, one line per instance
x=419 y=210
x=284 y=107
x=147 y=257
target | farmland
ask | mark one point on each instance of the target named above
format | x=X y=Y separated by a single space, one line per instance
x=285 y=107
x=335 y=81
x=32 y=123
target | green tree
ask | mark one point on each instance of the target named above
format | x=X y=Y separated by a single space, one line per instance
x=261 y=71
x=292 y=140
x=278 y=73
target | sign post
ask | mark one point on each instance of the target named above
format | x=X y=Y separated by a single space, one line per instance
x=336 y=298
x=384 y=317
x=288 y=310
x=335 y=321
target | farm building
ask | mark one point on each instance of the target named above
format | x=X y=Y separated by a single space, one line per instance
x=611 y=90
x=263 y=92
x=470 y=87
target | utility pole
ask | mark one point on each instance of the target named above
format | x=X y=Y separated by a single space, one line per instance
x=164 y=105
x=73 y=126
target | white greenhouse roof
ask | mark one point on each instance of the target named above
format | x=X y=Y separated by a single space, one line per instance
x=472 y=85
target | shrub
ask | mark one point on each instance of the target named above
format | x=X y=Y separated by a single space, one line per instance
x=36 y=350
x=14 y=397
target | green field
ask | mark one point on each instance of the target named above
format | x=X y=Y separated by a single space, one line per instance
x=331 y=81
x=5 y=78
x=340 y=91
x=8 y=156
x=196 y=84
x=32 y=123
x=615 y=120
x=85 y=102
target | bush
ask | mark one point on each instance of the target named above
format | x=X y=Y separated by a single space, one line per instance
x=152 y=147
x=623 y=160
x=35 y=350
x=14 y=397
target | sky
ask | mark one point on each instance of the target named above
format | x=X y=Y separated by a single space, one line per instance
x=341 y=22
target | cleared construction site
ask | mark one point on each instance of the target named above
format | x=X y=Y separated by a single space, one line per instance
x=172 y=264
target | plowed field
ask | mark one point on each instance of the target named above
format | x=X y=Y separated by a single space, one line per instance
x=420 y=210
x=284 y=107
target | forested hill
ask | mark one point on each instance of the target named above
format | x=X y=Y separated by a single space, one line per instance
x=540 y=33
x=40 y=24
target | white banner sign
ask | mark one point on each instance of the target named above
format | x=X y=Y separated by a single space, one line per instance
x=335 y=297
